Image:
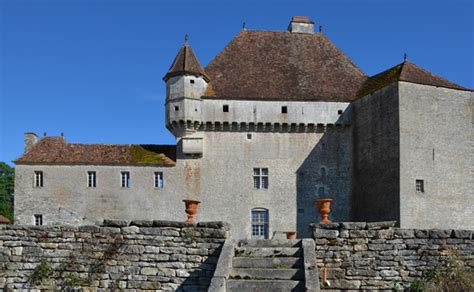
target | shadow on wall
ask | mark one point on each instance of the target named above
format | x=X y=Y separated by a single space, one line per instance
x=326 y=173
x=200 y=278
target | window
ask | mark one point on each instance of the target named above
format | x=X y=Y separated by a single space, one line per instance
x=125 y=179
x=38 y=179
x=191 y=81
x=420 y=186
x=339 y=112
x=321 y=191
x=284 y=110
x=225 y=108
x=300 y=211
x=38 y=219
x=91 y=179
x=249 y=136
x=259 y=223
x=260 y=178
x=159 y=183
x=323 y=171
x=176 y=108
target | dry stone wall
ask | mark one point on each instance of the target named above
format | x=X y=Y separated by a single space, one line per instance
x=367 y=256
x=161 y=255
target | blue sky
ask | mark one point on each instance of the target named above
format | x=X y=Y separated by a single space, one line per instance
x=93 y=69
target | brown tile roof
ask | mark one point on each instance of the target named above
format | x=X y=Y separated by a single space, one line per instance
x=279 y=65
x=4 y=220
x=185 y=63
x=55 y=150
x=408 y=72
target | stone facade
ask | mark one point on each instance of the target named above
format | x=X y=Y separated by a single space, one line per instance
x=143 y=255
x=308 y=116
x=375 y=256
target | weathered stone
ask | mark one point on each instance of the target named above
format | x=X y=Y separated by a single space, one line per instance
x=353 y=225
x=358 y=233
x=440 y=233
x=388 y=273
x=403 y=233
x=214 y=224
x=130 y=229
x=115 y=223
x=175 y=224
x=149 y=271
x=422 y=233
x=134 y=249
x=344 y=284
x=381 y=225
x=467 y=234
x=89 y=228
x=333 y=225
x=141 y=223
x=325 y=233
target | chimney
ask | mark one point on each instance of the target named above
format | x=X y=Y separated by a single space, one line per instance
x=301 y=24
x=30 y=139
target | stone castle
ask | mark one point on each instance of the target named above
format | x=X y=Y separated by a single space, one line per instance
x=276 y=120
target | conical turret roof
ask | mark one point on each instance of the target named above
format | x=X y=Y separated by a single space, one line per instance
x=185 y=63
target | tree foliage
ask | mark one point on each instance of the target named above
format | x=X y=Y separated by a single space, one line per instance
x=7 y=182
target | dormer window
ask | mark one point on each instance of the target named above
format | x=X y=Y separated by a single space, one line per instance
x=225 y=108
x=284 y=109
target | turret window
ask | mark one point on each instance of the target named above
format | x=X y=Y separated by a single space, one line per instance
x=225 y=108
x=284 y=109
x=176 y=108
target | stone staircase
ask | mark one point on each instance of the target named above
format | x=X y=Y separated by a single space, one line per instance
x=268 y=265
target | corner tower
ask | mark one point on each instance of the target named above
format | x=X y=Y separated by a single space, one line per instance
x=186 y=82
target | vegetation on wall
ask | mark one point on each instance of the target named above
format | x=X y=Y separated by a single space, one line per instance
x=7 y=176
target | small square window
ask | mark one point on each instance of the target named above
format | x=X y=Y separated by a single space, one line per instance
x=249 y=136
x=420 y=186
x=323 y=171
x=191 y=81
x=176 y=108
x=159 y=182
x=284 y=110
x=339 y=112
x=225 y=108
x=300 y=210
x=38 y=179
x=38 y=219
x=91 y=179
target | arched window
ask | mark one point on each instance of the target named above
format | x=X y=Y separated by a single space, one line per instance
x=259 y=223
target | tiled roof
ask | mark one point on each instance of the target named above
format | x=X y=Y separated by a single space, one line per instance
x=279 y=65
x=407 y=72
x=4 y=220
x=185 y=63
x=55 y=150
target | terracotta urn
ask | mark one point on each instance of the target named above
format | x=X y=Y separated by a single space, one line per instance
x=191 y=209
x=290 y=234
x=324 y=206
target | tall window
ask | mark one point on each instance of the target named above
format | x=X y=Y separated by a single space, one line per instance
x=38 y=219
x=38 y=179
x=259 y=223
x=159 y=183
x=125 y=179
x=420 y=185
x=260 y=178
x=91 y=179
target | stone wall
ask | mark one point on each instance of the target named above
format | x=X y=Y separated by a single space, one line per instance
x=378 y=256
x=141 y=255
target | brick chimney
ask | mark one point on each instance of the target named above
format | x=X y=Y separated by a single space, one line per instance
x=30 y=139
x=301 y=24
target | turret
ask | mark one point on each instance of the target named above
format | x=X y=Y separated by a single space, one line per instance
x=186 y=82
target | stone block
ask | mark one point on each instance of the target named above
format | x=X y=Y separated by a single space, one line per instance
x=325 y=233
x=422 y=233
x=215 y=225
x=115 y=223
x=381 y=225
x=388 y=273
x=130 y=230
x=344 y=284
x=403 y=233
x=353 y=225
x=175 y=224
x=149 y=271
x=132 y=249
x=141 y=223
x=440 y=233
x=333 y=225
x=358 y=233
x=467 y=234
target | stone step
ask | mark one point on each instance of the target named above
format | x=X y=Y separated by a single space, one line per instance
x=267 y=274
x=265 y=285
x=268 y=252
x=269 y=263
x=270 y=243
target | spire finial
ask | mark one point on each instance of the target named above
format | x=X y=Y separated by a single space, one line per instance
x=186 y=38
x=405 y=57
x=244 y=26
x=321 y=29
